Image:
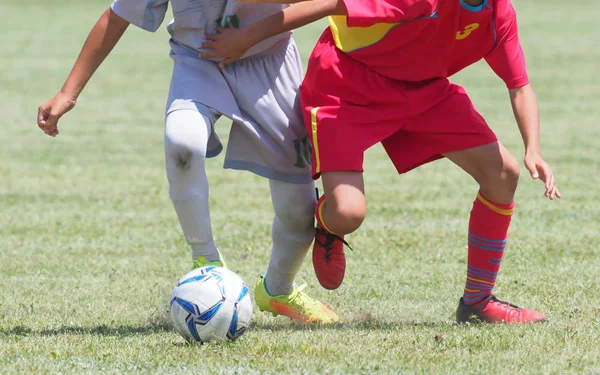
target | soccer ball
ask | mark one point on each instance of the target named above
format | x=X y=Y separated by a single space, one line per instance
x=211 y=303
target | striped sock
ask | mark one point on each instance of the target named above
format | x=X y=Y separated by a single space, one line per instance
x=319 y=215
x=488 y=232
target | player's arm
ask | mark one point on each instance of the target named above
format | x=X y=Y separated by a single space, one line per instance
x=525 y=109
x=231 y=44
x=100 y=42
x=508 y=61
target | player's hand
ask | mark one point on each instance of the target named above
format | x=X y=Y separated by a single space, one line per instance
x=230 y=44
x=50 y=112
x=539 y=169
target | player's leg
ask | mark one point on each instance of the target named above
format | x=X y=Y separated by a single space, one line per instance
x=497 y=173
x=340 y=211
x=493 y=167
x=292 y=232
x=269 y=140
x=343 y=206
x=340 y=133
x=187 y=131
x=453 y=128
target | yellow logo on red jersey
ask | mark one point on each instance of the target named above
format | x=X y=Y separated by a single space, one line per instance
x=467 y=31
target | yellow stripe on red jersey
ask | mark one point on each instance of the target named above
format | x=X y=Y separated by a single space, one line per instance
x=419 y=40
x=349 y=39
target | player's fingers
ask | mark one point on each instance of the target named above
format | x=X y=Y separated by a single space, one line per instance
x=550 y=184
x=212 y=37
x=558 y=195
x=547 y=173
x=43 y=123
x=221 y=29
x=52 y=120
x=51 y=123
x=531 y=167
x=210 y=51
x=227 y=61
x=47 y=130
x=551 y=193
x=208 y=55
x=555 y=193
x=41 y=118
x=209 y=45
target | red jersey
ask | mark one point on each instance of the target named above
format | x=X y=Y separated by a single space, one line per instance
x=418 y=40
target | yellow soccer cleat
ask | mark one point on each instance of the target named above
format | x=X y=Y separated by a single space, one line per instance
x=296 y=305
x=200 y=262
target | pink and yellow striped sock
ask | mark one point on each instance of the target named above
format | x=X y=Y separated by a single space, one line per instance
x=488 y=233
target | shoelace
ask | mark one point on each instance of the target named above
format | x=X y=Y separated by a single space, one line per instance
x=299 y=297
x=310 y=306
x=329 y=239
x=496 y=300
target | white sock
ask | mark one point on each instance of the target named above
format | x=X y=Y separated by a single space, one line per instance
x=292 y=232
x=186 y=138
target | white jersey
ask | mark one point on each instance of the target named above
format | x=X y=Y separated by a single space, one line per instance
x=194 y=18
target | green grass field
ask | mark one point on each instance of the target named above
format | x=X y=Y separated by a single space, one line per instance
x=90 y=246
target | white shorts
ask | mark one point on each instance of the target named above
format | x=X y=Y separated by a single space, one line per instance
x=260 y=94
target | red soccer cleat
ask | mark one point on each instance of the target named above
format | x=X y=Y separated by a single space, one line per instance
x=329 y=259
x=492 y=310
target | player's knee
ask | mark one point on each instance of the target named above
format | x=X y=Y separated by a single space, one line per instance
x=507 y=177
x=186 y=138
x=501 y=183
x=182 y=150
x=510 y=173
x=345 y=217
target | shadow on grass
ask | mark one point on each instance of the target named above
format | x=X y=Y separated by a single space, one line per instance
x=105 y=330
x=371 y=325
x=160 y=324
x=101 y=330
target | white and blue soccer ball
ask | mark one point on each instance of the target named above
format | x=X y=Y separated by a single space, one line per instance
x=211 y=304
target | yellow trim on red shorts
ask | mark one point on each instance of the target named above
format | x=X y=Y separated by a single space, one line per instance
x=493 y=207
x=315 y=143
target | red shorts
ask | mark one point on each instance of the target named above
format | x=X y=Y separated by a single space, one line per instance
x=348 y=108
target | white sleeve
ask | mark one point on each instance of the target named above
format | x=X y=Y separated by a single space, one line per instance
x=147 y=14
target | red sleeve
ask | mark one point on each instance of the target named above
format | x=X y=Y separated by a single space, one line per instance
x=507 y=59
x=365 y=13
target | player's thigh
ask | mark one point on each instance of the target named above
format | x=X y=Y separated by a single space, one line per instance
x=490 y=165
